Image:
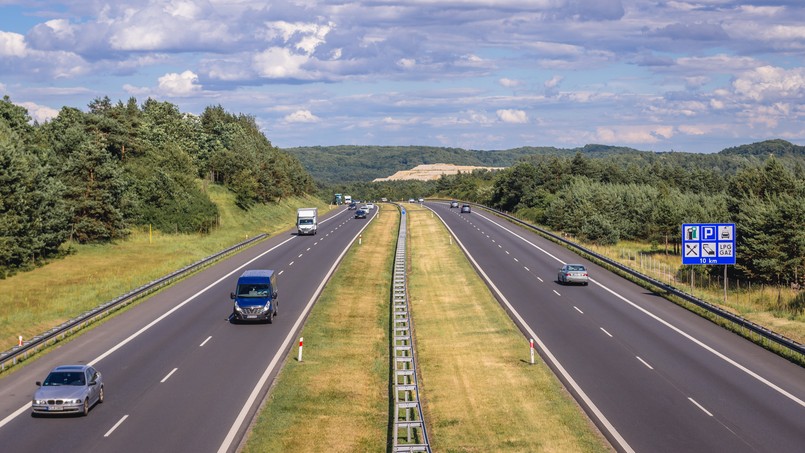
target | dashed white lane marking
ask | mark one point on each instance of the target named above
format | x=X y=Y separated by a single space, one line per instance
x=516 y=260
x=541 y=280
x=700 y=406
x=557 y=293
x=578 y=309
x=645 y=363
x=108 y=433
x=605 y=331
x=291 y=263
x=205 y=341
x=280 y=272
x=169 y=375
x=527 y=269
x=300 y=255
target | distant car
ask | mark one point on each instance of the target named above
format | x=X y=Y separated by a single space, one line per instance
x=360 y=214
x=370 y=206
x=573 y=273
x=353 y=206
x=465 y=209
x=454 y=204
x=68 y=389
x=411 y=200
x=421 y=200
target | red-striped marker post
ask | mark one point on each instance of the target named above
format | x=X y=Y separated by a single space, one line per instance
x=19 y=343
x=299 y=358
x=532 y=351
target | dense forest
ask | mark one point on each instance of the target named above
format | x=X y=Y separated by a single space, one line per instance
x=607 y=195
x=353 y=164
x=92 y=176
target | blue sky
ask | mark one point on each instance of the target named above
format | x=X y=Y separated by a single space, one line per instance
x=659 y=75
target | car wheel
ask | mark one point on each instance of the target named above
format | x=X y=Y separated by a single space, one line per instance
x=100 y=396
x=270 y=317
x=85 y=408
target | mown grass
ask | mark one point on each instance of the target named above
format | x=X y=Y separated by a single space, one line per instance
x=35 y=301
x=336 y=399
x=479 y=391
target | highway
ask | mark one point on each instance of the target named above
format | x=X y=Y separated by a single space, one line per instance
x=651 y=375
x=178 y=376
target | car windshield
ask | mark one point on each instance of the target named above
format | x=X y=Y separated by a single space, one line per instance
x=253 y=290
x=305 y=221
x=65 y=378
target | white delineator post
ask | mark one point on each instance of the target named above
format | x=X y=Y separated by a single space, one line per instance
x=532 y=350
x=360 y=239
x=19 y=343
x=299 y=358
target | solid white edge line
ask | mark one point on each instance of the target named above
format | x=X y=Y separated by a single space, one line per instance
x=700 y=406
x=205 y=341
x=558 y=366
x=671 y=326
x=119 y=422
x=230 y=437
x=168 y=376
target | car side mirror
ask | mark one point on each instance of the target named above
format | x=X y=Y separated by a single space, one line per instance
x=38 y=384
x=274 y=295
x=232 y=295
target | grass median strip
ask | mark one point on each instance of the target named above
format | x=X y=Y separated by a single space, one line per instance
x=479 y=391
x=336 y=399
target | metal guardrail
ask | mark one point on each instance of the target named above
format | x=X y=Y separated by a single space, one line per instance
x=770 y=335
x=409 y=433
x=59 y=332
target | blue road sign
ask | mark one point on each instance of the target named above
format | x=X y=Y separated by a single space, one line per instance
x=708 y=243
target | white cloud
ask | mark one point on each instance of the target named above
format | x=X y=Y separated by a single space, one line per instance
x=12 y=45
x=553 y=82
x=509 y=83
x=301 y=116
x=40 y=113
x=279 y=63
x=633 y=134
x=769 y=83
x=179 y=85
x=512 y=116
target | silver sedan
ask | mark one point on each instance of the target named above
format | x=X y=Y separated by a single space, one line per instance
x=573 y=273
x=68 y=389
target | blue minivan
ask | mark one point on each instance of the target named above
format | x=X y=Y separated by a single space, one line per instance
x=255 y=297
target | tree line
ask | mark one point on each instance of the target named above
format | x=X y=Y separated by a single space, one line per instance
x=90 y=176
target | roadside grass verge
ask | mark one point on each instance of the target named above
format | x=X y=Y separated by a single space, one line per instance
x=337 y=398
x=479 y=391
x=36 y=301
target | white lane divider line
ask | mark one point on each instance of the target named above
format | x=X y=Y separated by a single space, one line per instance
x=605 y=331
x=168 y=376
x=108 y=433
x=300 y=255
x=541 y=280
x=578 y=309
x=527 y=269
x=645 y=363
x=205 y=341
x=516 y=260
x=291 y=263
x=557 y=293
x=700 y=406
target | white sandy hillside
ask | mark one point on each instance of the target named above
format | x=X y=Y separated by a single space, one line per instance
x=426 y=172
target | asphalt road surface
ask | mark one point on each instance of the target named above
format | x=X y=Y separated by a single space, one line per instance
x=653 y=376
x=178 y=376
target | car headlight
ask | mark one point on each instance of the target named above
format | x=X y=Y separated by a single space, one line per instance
x=238 y=309
x=40 y=402
x=267 y=307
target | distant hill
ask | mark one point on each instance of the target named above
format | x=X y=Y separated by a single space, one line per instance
x=348 y=164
